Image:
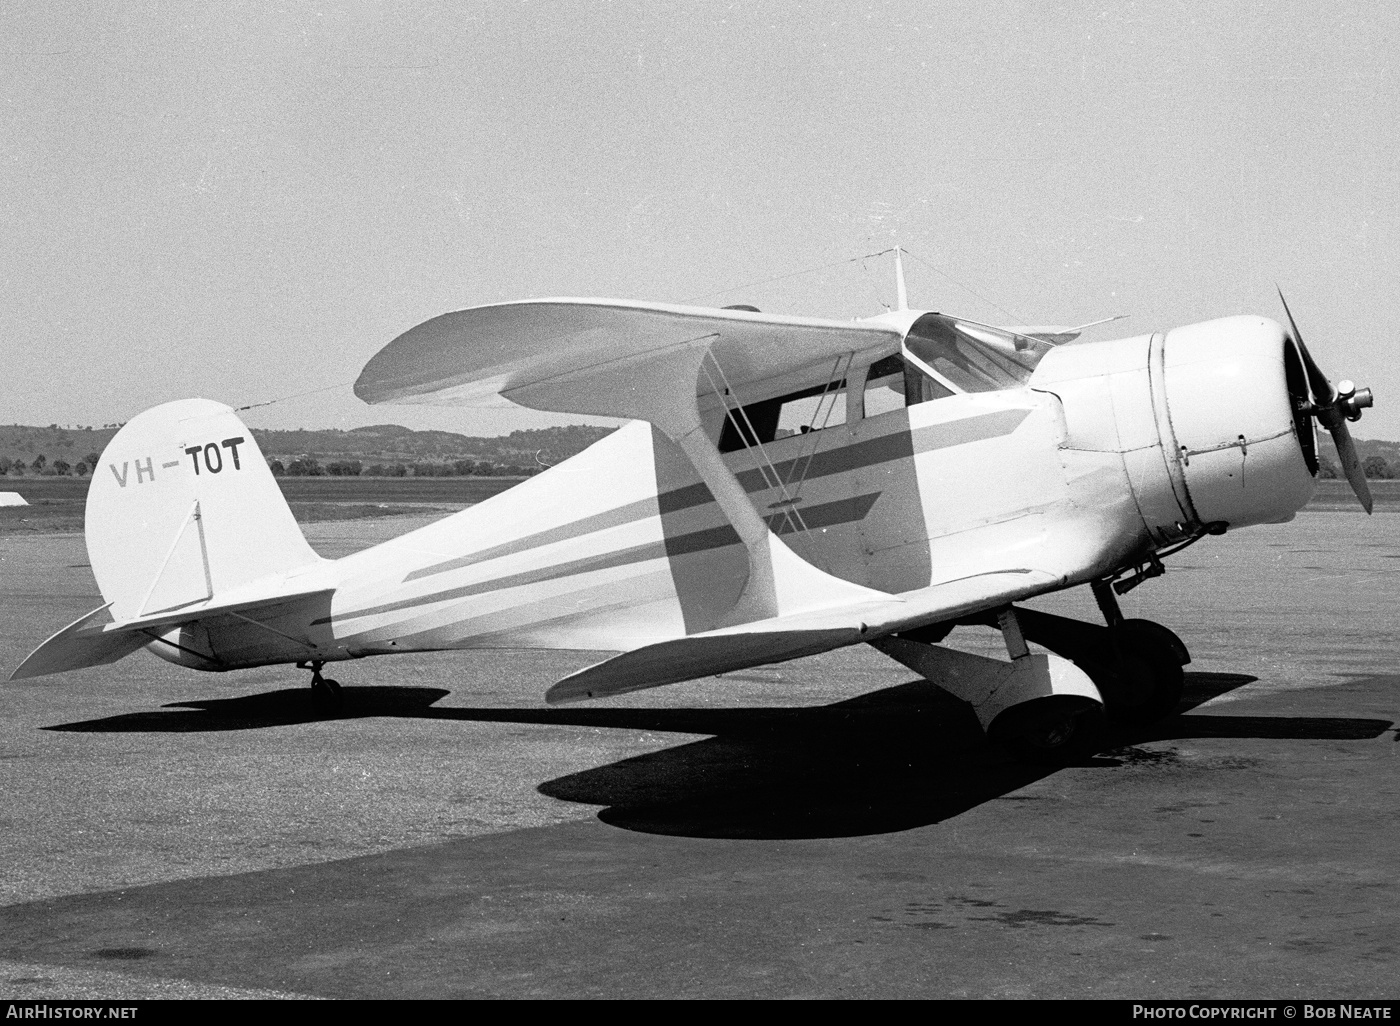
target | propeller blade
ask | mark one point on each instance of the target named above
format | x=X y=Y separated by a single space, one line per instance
x=1333 y=409
x=1351 y=464
x=1323 y=394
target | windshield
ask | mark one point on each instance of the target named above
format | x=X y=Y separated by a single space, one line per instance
x=972 y=357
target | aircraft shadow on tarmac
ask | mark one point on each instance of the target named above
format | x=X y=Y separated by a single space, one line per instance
x=894 y=759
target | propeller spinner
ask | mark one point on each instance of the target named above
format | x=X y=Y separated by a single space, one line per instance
x=1333 y=407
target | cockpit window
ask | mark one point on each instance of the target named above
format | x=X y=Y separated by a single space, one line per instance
x=972 y=357
x=811 y=409
x=884 y=386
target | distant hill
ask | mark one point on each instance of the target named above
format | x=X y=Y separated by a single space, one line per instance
x=391 y=442
x=73 y=446
x=525 y=451
x=1365 y=448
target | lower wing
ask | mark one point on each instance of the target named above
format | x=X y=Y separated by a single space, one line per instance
x=782 y=638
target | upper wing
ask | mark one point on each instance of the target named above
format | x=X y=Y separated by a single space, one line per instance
x=801 y=634
x=540 y=353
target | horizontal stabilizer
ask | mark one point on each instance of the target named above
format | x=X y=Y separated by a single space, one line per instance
x=71 y=650
x=253 y=608
x=82 y=644
x=790 y=637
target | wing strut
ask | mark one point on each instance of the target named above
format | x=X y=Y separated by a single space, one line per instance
x=660 y=387
x=838 y=374
x=770 y=473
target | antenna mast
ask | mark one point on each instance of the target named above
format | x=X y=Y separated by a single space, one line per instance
x=902 y=302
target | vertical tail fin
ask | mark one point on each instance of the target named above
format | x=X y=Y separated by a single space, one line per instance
x=182 y=506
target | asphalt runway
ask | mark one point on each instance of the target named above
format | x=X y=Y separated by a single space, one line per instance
x=830 y=827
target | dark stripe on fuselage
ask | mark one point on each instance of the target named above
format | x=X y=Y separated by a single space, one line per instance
x=678 y=499
x=828 y=514
x=893 y=446
x=824 y=515
x=699 y=541
x=972 y=429
x=896 y=445
x=622 y=557
x=633 y=511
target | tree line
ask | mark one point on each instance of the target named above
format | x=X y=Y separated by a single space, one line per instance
x=305 y=466
x=308 y=466
x=41 y=466
x=1375 y=467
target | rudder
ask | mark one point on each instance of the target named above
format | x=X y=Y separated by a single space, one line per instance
x=182 y=507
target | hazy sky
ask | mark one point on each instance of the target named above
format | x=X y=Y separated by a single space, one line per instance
x=244 y=201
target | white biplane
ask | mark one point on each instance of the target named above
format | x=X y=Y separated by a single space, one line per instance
x=784 y=486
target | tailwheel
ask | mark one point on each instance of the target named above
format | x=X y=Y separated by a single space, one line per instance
x=325 y=691
x=1145 y=681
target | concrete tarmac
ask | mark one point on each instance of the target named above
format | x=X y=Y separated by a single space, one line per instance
x=824 y=828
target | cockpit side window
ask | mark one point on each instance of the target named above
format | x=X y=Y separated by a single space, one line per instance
x=811 y=409
x=884 y=386
x=893 y=384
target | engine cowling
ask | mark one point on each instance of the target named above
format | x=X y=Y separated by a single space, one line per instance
x=1211 y=421
x=1234 y=388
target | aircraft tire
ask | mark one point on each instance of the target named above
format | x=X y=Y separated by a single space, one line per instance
x=1053 y=731
x=325 y=694
x=1166 y=635
x=1146 y=681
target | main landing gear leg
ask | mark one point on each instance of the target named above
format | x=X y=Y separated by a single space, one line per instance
x=325 y=691
x=1107 y=599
